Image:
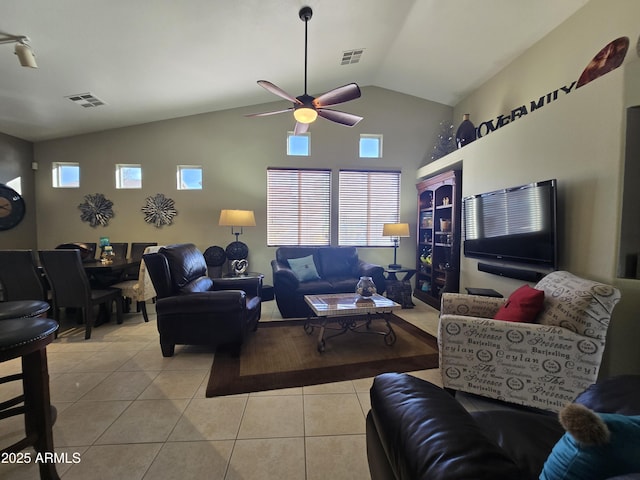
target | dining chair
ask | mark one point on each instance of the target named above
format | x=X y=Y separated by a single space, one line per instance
x=87 y=249
x=20 y=277
x=137 y=250
x=141 y=289
x=71 y=289
x=120 y=249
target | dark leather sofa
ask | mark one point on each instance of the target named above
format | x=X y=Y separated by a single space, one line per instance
x=418 y=431
x=194 y=309
x=339 y=269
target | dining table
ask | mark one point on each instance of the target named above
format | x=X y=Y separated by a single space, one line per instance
x=102 y=275
x=117 y=265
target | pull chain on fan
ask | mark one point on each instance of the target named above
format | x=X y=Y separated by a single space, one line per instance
x=307 y=108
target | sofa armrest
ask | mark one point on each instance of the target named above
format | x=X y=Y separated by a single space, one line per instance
x=470 y=305
x=283 y=276
x=540 y=366
x=158 y=270
x=376 y=272
x=427 y=434
x=369 y=269
x=227 y=301
x=251 y=285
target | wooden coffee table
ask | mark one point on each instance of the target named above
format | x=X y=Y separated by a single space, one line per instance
x=345 y=312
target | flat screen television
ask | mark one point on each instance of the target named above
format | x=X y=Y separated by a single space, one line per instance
x=515 y=224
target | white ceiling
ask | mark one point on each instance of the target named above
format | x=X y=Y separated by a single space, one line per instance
x=156 y=59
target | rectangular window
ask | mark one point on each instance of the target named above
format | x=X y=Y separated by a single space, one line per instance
x=367 y=200
x=370 y=146
x=299 y=145
x=65 y=175
x=128 y=176
x=298 y=207
x=189 y=177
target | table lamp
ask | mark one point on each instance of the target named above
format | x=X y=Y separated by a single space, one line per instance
x=395 y=230
x=237 y=251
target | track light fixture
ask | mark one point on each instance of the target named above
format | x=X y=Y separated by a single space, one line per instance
x=22 y=49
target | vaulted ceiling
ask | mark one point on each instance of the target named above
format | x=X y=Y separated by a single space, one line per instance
x=150 y=60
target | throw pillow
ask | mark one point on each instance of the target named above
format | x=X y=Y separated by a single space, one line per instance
x=595 y=446
x=523 y=305
x=304 y=268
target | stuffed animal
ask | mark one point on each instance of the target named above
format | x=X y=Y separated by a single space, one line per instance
x=596 y=446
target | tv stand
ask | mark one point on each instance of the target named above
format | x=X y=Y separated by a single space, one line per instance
x=485 y=292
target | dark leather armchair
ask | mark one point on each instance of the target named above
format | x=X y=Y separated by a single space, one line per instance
x=194 y=309
x=416 y=430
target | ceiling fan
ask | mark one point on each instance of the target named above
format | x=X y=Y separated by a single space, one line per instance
x=307 y=108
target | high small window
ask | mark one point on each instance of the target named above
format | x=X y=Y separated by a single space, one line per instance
x=367 y=200
x=128 y=176
x=370 y=146
x=298 y=207
x=65 y=175
x=299 y=145
x=189 y=177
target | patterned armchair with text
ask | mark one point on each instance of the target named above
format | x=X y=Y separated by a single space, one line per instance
x=544 y=364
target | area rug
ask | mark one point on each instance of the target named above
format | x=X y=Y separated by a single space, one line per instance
x=281 y=355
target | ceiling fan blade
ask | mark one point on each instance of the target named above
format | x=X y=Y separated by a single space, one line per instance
x=344 y=118
x=264 y=114
x=300 y=128
x=270 y=87
x=338 y=95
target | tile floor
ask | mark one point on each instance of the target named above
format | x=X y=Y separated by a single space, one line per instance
x=126 y=412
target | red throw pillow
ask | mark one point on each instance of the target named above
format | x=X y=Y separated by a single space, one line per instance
x=523 y=305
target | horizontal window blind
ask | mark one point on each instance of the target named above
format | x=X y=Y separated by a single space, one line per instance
x=298 y=207
x=367 y=200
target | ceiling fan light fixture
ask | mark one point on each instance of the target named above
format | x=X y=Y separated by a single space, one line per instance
x=305 y=115
x=307 y=108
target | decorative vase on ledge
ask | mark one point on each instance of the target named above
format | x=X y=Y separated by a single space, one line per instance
x=365 y=287
x=466 y=132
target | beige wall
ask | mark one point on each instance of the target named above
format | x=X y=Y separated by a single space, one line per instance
x=577 y=139
x=235 y=152
x=556 y=60
x=15 y=162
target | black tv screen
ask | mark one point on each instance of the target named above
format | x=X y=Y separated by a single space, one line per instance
x=516 y=224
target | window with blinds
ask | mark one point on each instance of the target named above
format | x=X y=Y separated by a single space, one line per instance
x=298 y=207
x=367 y=200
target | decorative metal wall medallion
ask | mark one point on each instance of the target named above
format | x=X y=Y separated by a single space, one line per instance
x=159 y=210
x=96 y=209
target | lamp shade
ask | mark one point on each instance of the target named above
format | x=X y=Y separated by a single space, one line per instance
x=395 y=230
x=237 y=218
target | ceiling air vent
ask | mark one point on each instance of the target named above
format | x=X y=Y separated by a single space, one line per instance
x=86 y=100
x=351 y=56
